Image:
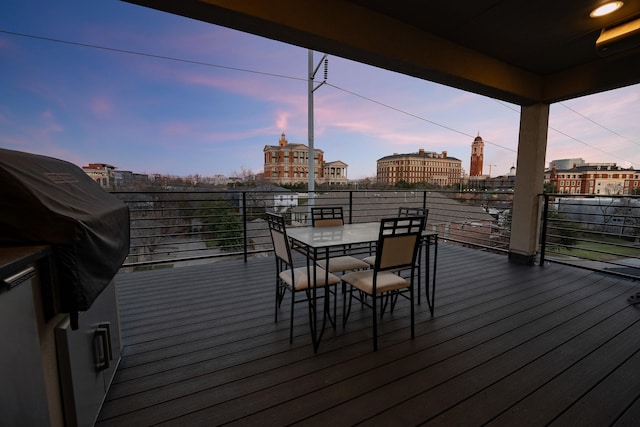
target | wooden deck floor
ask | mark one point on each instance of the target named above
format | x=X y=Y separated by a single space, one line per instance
x=509 y=345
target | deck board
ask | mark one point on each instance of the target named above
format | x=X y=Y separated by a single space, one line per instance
x=508 y=345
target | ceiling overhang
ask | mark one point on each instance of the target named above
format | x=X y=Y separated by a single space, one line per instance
x=481 y=46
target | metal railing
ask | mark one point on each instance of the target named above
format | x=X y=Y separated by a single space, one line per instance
x=178 y=227
x=596 y=232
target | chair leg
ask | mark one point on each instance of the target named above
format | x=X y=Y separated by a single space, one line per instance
x=384 y=300
x=277 y=298
x=346 y=308
x=293 y=302
x=420 y=270
x=335 y=306
x=328 y=291
x=363 y=297
x=375 y=322
x=280 y=293
x=394 y=300
x=413 y=322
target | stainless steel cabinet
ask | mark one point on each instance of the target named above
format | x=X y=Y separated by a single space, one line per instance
x=88 y=358
x=51 y=374
x=23 y=397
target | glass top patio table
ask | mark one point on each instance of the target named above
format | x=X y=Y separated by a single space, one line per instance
x=324 y=237
x=348 y=234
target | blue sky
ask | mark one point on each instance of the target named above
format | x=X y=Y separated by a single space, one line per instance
x=182 y=105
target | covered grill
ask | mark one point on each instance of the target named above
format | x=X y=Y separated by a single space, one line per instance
x=50 y=201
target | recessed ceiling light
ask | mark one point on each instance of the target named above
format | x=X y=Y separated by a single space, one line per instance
x=606 y=9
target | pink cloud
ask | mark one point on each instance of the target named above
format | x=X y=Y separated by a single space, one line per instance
x=282 y=120
x=100 y=106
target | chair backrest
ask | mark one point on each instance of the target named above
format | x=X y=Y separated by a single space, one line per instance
x=402 y=211
x=326 y=216
x=398 y=242
x=278 y=230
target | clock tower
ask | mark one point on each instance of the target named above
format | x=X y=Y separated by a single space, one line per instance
x=477 y=155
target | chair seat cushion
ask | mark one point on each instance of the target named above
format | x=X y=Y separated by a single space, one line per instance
x=371 y=260
x=343 y=263
x=363 y=280
x=302 y=280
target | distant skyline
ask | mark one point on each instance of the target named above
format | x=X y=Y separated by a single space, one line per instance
x=110 y=82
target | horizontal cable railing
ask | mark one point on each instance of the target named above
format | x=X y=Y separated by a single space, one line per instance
x=476 y=219
x=595 y=232
x=178 y=227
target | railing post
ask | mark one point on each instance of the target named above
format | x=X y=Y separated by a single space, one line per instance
x=244 y=225
x=543 y=238
x=350 y=206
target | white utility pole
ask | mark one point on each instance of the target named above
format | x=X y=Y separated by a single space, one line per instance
x=311 y=163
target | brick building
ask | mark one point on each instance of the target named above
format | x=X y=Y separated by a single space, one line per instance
x=421 y=167
x=604 y=179
x=477 y=157
x=287 y=164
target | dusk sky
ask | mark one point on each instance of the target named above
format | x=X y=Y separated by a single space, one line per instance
x=105 y=81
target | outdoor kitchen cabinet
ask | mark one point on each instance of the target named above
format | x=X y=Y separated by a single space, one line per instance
x=88 y=358
x=23 y=395
x=51 y=374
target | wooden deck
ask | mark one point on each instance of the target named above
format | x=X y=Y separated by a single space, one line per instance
x=509 y=345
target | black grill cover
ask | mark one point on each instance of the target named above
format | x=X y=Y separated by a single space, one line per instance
x=50 y=201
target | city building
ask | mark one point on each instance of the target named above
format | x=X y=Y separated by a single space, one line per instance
x=501 y=183
x=110 y=178
x=335 y=173
x=562 y=164
x=594 y=178
x=421 y=167
x=477 y=156
x=288 y=164
x=123 y=178
x=102 y=173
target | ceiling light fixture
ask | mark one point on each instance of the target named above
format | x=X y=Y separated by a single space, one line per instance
x=618 y=39
x=606 y=9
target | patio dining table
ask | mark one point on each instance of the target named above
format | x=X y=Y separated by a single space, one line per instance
x=317 y=242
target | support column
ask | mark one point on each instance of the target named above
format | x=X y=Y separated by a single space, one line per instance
x=532 y=147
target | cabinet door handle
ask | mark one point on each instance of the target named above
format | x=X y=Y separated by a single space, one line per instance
x=101 y=349
x=16 y=279
x=107 y=326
